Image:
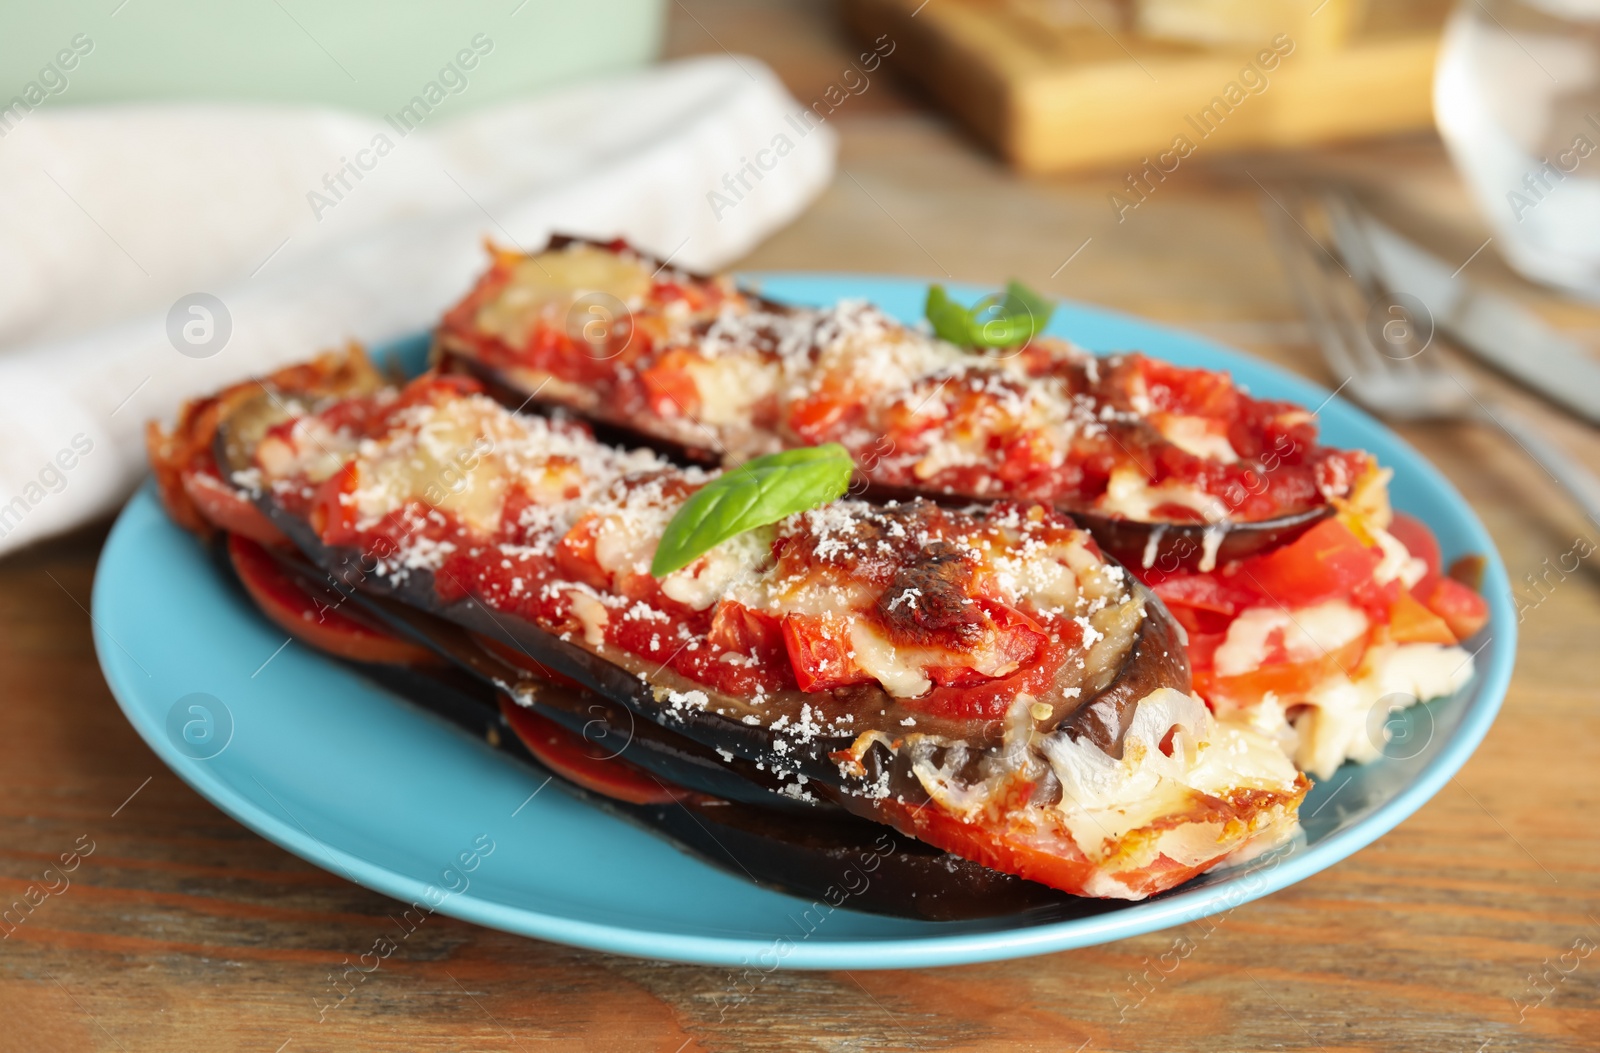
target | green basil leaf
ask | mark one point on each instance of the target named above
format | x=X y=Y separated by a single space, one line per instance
x=758 y=492
x=1022 y=301
x=995 y=321
x=951 y=322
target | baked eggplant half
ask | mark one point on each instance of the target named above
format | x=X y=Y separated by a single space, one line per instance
x=984 y=680
x=819 y=853
x=726 y=812
x=1168 y=466
x=1307 y=602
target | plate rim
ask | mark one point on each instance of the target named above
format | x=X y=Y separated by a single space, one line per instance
x=908 y=950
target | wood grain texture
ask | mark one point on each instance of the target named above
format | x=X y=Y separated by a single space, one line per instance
x=182 y=931
x=1052 y=98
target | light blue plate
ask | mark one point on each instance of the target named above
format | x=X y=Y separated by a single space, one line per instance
x=348 y=776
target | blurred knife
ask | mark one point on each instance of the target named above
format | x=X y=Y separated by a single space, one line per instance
x=1493 y=327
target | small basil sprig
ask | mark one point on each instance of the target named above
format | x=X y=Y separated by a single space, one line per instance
x=994 y=321
x=758 y=492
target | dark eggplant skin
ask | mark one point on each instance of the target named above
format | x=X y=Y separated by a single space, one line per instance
x=1167 y=545
x=814 y=851
x=612 y=432
x=823 y=858
x=1155 y=660
x=830 y=857
x=655 y=695
x=1182 y=546
x=612 y=730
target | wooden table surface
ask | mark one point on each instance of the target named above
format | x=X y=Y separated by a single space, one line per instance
x=184 y=931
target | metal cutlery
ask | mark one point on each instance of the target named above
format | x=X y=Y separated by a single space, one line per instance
x=1369 y=335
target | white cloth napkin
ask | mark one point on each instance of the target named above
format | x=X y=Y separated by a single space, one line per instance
x=114 y=213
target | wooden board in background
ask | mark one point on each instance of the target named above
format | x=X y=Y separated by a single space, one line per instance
x=1089 y=97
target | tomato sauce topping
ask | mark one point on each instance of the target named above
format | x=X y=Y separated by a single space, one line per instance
x=696 y=360
x=910 y=608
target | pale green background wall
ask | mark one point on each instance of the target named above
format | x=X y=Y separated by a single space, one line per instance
x=367 y=54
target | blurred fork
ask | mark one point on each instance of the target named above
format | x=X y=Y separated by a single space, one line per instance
x=1381 y=359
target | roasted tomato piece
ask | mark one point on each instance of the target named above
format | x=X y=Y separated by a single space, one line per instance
x=575 y=555
x=1185 y=391
x=1016 y=641
x=1462 y=609
x=1288 y=680
x=1203 y=603
x=747 y=631
x=1410 y=622
x=337 y=630
x=1026 y=456
x=817 y=416
x=224 y=507
x=670 y=386
x=332 y=517
x=984 y=698
x=1326 y=561
x=819 y=654
x=572 y=757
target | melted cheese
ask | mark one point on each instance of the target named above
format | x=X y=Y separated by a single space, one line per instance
x=542 y=289
x=1105 y=799
x=627 y=530
x=1130 y=495
x=1110 y=637
x=717 y=573
x=1347 y=720
x=591 y=614
x=1307 y=633
x=311 y=449
x=903 y=669
x=941 y=781
x=1200 y=436
x=731 y=386
x=449 y=464
x=1048 y=582
x=1398 y=562
x=947 y=454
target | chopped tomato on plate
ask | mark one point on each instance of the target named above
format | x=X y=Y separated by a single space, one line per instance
x=1284 y=678
x=1326 y=561
x=1411 y=622
x=1463 y=610
x=327 y=624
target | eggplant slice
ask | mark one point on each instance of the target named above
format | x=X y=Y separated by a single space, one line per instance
x=826 y=855
x=1170 y=545
x=628 y=383
x=814 y=851
x=1051 y=778
x=1195 y=546
x=484 y=665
